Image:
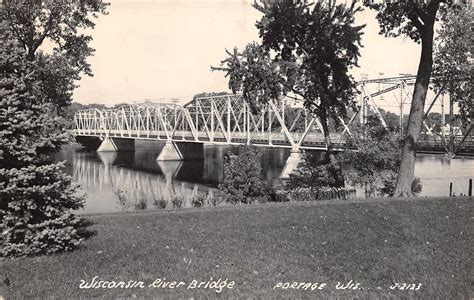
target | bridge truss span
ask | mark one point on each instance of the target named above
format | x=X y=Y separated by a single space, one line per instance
x=223 y=119
x=229 y=119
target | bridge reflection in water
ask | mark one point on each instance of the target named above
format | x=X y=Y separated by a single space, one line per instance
x=125 y=181
x=144 y=180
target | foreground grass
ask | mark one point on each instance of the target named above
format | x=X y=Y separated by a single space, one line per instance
x=376 y=244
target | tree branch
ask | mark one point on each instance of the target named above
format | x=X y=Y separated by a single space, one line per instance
x=47 y=29
x=418 y=11
x=414 y=19
x=19 y=36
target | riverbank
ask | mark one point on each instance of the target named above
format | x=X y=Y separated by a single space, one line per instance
x=426 y=241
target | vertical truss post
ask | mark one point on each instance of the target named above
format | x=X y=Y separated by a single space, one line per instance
x=212 y=122
x=269 y=124
x=402 y=98
x=196 y=114
x=283 y=110
x=247 y=120
x=229 y=131
x=362 y=109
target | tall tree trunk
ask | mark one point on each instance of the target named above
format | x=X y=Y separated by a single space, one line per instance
x=415 y=119
x=330 y=151
x=327 y=137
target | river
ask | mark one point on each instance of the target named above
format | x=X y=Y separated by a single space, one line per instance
x=124 y=181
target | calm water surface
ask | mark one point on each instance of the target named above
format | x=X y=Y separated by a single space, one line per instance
x=141 y=181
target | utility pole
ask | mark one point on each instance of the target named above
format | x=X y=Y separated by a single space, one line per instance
x=381 y=85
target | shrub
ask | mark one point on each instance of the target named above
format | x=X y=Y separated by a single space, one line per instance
x=242 y=181
x=198 y=200
x=389 y=182
x=277 y=196
x=375 y=165
x=313 y=175
x=177 y=201
x=122 y=198
x=302 y=194
x=141 y=204
x=162 y=203
x=215 y=201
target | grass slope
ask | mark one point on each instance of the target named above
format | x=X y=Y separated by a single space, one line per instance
x=426 y=241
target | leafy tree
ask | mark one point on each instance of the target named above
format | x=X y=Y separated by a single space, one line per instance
x=391 y=119
x=207 y=94
x=36 y=197
x=414 y=19
x=375 y=163
x=62 y=24
x=452 y=65
x=306 y=51
x=242 y=176
x=115 y=106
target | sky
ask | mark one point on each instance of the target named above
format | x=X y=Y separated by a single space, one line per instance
x=163 y=49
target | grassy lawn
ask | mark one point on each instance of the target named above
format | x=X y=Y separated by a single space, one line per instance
x=375 y=244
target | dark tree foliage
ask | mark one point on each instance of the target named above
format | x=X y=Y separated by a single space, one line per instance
x=316 y=174
x=63 y=25
x=36 y=197
x=375 y=164
x=452 y=58
x=414 y=19
x=70 y=110
x=306 y=51
x=207 y=94
x=242 y=176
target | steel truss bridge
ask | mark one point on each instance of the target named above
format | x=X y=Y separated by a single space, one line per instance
x=228 y=119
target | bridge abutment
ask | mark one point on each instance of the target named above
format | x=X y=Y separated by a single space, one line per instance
x=116 y=144
x=291 y=163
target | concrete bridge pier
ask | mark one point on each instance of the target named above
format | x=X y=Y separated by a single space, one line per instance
x=170 y=152
x=110 y=144
x=291 y=163
x=181 y=151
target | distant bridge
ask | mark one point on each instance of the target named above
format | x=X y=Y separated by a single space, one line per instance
x=228 y=119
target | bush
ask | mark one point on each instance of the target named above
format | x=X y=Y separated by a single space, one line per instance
x=302 y=194
x=276 y=196
x=313 y=175
x=162 y=203
x=122 y=199
x=389 y=182
x=242 y=182
x=177 y=201
x=215 y=201
x=141 y=204
x=376 y=163
x=198 y=200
